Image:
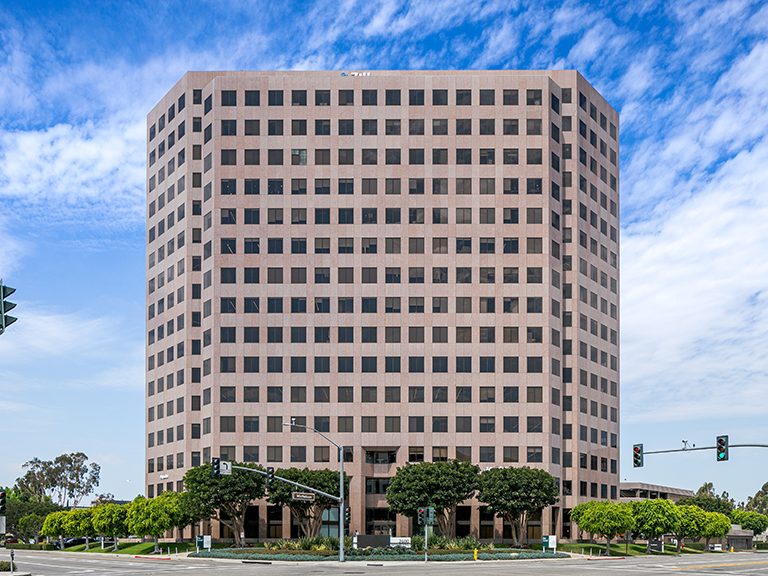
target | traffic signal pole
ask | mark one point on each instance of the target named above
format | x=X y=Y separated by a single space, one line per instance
x=704 y=448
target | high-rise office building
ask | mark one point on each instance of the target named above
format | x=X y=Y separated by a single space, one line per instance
x=422 y=265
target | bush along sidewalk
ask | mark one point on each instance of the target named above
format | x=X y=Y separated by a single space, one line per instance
x=398 y=554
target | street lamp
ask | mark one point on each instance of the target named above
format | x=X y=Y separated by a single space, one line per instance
x=341 y=481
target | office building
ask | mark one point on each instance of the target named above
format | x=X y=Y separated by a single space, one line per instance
x=423 y=265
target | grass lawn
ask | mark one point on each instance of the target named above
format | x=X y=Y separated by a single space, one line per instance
x=139 y=549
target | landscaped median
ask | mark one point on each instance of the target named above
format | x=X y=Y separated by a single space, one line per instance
x=378 y=554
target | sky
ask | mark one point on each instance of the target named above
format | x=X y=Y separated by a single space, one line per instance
x=688 y=79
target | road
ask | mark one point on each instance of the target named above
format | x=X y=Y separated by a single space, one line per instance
x=58 y=563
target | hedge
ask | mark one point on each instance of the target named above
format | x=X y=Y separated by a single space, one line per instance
x=373 y=554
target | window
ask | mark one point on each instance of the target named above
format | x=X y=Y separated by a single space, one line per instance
x=298 y=97
x=275 y=98
x=392 y=127
x=416 y=127
x=487 y=126
x=322 y=127
x=416 y=97
x=533 y=98
x=346 y=97
x=463 y=97
x=533 y=156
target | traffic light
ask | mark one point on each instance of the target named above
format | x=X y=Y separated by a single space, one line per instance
x=722 y=448
x=421 y=516
x=215 y=467
x=346 y=515
x=431 y=520
x=637 y=456
x=270 y=475
x=5 y=307
x=2 y=503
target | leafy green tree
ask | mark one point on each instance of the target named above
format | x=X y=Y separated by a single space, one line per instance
x=706 y=489
x=309 y=515
x=750 y=520
x=64 y=480
x=513 y=493
x=578 y=512
x=654 y=518
x=441 y=485
x=716 y=525
x=690 y=524
x=38 y=481
x=21 y=504
x=708 y=500
x=605 y=518
x=153 y=517
x=55 y=525
x=29 y=527
x=111 y=520
x=80 y=524
x=226 y=498
x=708 y=503
x=188 y=514
x=759 y=502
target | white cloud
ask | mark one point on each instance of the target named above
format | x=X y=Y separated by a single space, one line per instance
x=695 y=300
x=77 y=349
x=501 y=42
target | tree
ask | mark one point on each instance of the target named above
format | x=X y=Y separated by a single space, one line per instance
x=189 y=512
x=708 y=503
x=76 y=477
x=578 y=512
x=309 y=515
x=153 y=517
x=706 y=489
x=64 y=480
x=226 y=498
x=605 y=518
x=759 y=502
x=690 y=524
x=514 y=493
x=654 y=518
x=716 y=525
x=111 y=520
x=441 y=485
x=750 y=520
x=29 y=527
x=80 y=523
x=55 y=526
x=21 y=504
x=38 y=480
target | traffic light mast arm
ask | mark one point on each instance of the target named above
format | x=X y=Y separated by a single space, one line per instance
x=264 y=473
x=704 y=448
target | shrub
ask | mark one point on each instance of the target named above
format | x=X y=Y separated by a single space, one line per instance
x=5 y=566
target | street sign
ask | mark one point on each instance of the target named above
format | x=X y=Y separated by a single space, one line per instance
x=303 y=496
x=225 y=468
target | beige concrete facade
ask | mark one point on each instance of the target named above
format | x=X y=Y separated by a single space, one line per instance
x=422 y=264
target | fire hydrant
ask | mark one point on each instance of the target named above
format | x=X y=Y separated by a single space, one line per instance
x=475 y=554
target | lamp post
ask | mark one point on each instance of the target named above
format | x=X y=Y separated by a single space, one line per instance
x=341 y=482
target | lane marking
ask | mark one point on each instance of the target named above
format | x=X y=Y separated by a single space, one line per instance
x=722 y=565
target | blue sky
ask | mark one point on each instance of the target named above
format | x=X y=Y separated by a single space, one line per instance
x=688 y=78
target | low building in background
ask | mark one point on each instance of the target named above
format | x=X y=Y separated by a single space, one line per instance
x=631 y=491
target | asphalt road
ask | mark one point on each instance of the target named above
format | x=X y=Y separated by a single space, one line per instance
x=58 y=563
